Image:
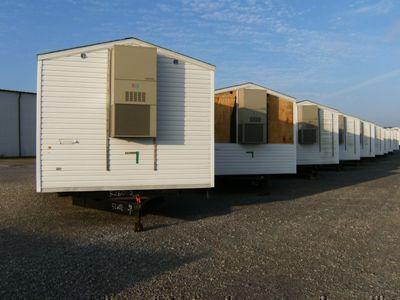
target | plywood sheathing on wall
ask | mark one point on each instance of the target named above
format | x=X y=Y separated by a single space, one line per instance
x=225 y=117
x=280 y=120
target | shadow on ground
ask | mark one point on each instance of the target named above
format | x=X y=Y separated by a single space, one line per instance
x=32 y=266
x=194 y=205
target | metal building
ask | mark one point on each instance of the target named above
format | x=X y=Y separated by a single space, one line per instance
x=17 y=123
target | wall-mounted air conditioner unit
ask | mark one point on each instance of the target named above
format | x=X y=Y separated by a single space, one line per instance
x=133 y=91
x=308 y=123
x=252 y=116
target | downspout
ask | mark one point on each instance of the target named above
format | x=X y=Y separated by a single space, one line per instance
x=108 y=111
x=19 y=124
x=319 y=130
x=333 y=137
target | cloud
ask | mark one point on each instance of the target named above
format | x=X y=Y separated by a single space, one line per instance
x=393 y=32
x=376 y=8
x=366 y=83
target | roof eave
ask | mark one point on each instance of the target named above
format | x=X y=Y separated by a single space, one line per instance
x=102 y=45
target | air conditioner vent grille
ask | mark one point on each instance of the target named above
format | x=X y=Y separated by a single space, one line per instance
x=135 y=96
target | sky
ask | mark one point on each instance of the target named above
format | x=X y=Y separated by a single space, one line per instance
x=344 y=54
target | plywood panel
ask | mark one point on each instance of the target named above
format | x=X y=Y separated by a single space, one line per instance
x=225 y=117
x=280 y=120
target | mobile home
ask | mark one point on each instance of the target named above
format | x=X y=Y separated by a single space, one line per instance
x=379 y=141
x=255 y=131
x=349 y=138
x=396 y=137
x=318 y=134
x=124 y=115
x=367 y=139
x=386 y=148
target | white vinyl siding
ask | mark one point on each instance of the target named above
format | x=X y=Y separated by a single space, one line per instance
x=73 y=137
x=237 y=159
x=386 y=141
x=350 y=150
x=326 y=150
x=379 y=141
x=395 y=138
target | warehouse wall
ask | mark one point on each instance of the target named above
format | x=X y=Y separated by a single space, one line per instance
x=17 y=123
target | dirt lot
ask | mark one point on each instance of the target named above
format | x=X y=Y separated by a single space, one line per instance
x=338 y=235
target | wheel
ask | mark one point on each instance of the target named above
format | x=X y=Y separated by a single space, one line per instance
x=137 y=227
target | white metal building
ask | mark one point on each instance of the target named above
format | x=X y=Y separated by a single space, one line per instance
x=349 y=138
x=325 y=148
x=277 y=155
x=367 y=139
x=17 y=123
x=74 y=149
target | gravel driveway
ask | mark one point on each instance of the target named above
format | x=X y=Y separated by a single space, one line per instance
x=337 y=235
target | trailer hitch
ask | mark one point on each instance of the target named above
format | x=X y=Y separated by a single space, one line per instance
x=138 y=226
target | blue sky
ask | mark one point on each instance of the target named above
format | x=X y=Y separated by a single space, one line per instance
x=345 y=54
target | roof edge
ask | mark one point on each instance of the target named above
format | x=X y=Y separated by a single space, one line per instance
x=17 y=91
x=238 y=86
x=52 y=54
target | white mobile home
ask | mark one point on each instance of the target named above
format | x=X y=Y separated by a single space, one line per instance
x=391 y=139
x=379 y=140
x=367 y=139
x=124 y=115
x=255 y=131
x=349 y=138
x=396 y=137
x=386 y=148
x=318 y=134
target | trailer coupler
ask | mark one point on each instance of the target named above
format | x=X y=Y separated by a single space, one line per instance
x=138 y=226
x=133 y=207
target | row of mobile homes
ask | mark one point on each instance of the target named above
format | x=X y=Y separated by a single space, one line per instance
x=130 y=115
x=255 y=131
x=124 y=115
x=367 y=139
x=349 y=138
x=318 y=134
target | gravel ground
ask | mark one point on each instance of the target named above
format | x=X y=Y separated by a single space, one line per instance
x=338 y=236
